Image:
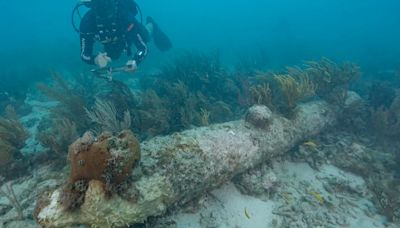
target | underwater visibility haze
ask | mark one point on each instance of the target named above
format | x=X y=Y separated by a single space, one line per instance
x=200 y=113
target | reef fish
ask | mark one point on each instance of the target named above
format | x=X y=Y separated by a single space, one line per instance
x=310 y=144
x=246 y=213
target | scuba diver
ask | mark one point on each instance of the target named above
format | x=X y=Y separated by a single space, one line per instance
x=113 y=23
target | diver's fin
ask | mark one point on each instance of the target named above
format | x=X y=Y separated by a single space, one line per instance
x=161 y=40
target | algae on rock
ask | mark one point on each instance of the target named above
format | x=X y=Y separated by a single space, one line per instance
x=179 y=167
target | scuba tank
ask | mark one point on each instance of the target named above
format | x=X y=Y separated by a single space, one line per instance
x=103 y=7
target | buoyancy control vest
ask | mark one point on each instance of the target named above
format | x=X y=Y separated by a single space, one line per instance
x=106 y=16
x=109 y=17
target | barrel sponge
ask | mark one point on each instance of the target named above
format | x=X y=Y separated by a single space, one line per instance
x=108 y=159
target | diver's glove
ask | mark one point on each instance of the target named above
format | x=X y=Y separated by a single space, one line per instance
x=102 y=60
x=131 y=66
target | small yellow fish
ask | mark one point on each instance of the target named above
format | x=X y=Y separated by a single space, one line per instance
x=246 y=213
x=287 y=196
x=310 y=144
x=317 y=196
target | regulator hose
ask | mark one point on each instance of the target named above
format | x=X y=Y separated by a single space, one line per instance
x=140 y=12
x=76 y=10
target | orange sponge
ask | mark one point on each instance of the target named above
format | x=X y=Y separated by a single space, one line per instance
x=108 y=159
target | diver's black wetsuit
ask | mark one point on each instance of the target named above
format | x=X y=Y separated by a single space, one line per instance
x=117 y=33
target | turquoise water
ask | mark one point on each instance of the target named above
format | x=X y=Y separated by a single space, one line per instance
x=289 y=31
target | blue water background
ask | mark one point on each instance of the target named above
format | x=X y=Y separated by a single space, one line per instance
x=39 y=33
